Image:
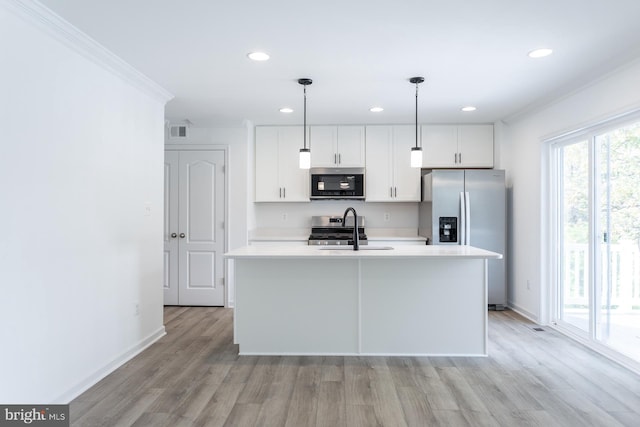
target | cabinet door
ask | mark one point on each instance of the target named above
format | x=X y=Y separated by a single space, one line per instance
x=324 y=146
x=351 y=146
x=266 y=150
x=475 y=145
x=439 y=146
x=293 y=180
x=379 y=160
x=406 y=180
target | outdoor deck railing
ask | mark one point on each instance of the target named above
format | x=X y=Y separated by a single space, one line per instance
x=624 y=272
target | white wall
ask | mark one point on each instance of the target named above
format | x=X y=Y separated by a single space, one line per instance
x=523 y=153
x=82 y=153
x=298 y=215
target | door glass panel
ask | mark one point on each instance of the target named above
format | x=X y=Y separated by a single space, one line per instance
x=618 y=228
x=574 y=234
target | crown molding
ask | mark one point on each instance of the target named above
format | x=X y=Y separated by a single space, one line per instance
x=45 y=19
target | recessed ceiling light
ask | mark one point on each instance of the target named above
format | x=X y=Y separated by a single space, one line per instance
x=258 y=56
x=468 y=108
x=540 y=53
x=376 y=109
x=286 y=110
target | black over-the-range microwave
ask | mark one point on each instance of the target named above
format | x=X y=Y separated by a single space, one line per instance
x=337 y=183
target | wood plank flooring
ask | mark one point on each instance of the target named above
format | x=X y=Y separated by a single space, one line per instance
x=194 y=377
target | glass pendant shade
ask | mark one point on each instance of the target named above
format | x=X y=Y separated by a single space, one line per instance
x=305 y=158
x=416 y=157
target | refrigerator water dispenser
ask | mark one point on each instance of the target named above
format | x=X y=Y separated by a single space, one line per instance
x=448 y=229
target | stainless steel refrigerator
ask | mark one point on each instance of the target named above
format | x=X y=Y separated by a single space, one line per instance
x=468 y=207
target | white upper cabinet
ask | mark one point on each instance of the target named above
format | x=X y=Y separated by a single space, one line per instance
x=464 y=146
x=337 y=146
x=389 y=175
x=385 y=151
x=475 y=145
x=278 y=175
x=439 y=146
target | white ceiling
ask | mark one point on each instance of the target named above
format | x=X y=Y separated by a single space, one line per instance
x=361 y=53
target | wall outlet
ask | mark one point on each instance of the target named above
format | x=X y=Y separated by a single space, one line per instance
x=387 y=216
x=528 y=284
x=137 y=309
x=147 y=208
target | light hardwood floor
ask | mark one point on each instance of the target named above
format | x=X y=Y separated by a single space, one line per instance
x=194 y=377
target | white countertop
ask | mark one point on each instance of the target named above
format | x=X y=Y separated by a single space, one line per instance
x=400 y=251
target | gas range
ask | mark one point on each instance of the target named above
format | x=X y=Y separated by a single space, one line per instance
x=328 y=230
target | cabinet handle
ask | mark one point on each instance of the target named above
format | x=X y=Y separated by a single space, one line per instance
x=390 y=191
x=284 y=192
x=174 y=235
x=459 y=157
x=280 y=189
x=182 y=235
x=396 y=191
x=335 y=158
x=455 y=157
x=339 y=159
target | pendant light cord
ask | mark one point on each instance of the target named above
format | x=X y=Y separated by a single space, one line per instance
x=417 y=115
x=304 y=126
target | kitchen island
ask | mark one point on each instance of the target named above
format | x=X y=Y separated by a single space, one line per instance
x=408 y=300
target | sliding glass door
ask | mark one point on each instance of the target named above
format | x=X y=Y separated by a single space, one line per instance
x=574 y=223
x=596 y=181
x=618 y=231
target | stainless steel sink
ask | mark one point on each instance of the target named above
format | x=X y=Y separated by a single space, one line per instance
x=350 y=248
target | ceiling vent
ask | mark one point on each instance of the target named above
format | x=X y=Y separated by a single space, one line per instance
x=178 y=131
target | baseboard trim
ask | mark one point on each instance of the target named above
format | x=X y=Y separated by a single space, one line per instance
x=93 y=379
x=524 y=313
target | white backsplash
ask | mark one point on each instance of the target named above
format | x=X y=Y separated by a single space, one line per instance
x=298 y=215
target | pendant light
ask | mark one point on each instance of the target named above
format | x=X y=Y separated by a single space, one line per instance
x=305 y=153
x=416 y=152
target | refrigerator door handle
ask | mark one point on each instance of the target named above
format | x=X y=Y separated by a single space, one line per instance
x=467 y=223
x=463 y=219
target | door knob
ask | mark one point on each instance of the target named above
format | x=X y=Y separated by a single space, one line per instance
x=182 y=236
x=174 y=235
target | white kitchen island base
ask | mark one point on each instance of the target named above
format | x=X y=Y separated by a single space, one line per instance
x=399 y=302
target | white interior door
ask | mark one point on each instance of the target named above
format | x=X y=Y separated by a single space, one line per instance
x=171 y=204
x=198 y=227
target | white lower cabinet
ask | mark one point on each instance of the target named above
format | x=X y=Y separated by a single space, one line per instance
x=390 y=177
x=278 y=175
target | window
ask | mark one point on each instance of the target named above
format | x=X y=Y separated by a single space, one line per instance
x=596 y=233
